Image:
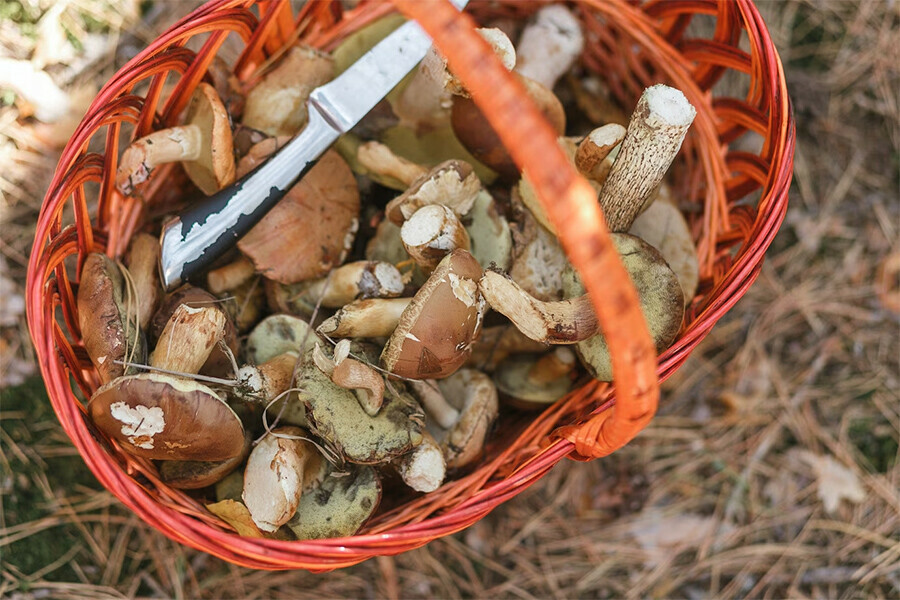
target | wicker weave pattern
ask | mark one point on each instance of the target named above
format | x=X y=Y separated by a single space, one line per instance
x=630 y=45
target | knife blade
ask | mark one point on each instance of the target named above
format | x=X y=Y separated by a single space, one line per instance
x=193 y=240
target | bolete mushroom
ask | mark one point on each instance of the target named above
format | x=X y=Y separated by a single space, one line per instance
x=360 y=279
x=549 y=45
x=339 y=505
x=277 y=334
x=431 y=233
x=373 y=318
x=464 y=406
x=142 y=262
x=659 y=292
x=203 y=145
x=109 y=327
x=197 y=474
x=188 y=339
x=424 y=468
x=534 y=381
x=352 y=374
x=490 y=237
x=435 y=334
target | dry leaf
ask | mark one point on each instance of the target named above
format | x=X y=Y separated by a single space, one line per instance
x=235 y=514
x=836 y=482
x=662 y=536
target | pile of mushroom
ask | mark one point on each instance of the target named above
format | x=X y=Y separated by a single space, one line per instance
x=398 y=301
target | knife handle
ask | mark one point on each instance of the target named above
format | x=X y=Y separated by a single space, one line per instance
x=192 y=241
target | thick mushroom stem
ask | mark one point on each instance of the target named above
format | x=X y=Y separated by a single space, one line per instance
x=368 y=279
x=424 y=468
x=365 y=381
x=270 y=379
x=376 y=317
x=592 y=158
x=655 y=133
x=188 y=339
x=378 y=158
x=563 y=322
x=549 y=45
x=432 y=233
x=230 y=276
x=434 y=403
x=142 y=260
x=170 y=145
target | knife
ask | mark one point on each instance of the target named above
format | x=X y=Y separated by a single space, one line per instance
x=192 y=241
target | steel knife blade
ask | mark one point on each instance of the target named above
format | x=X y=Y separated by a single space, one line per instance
x=193 y=240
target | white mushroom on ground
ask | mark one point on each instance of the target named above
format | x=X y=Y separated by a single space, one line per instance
x=203 y=145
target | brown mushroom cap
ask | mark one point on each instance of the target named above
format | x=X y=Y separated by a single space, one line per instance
x=167 y=418
x=479 y=137
x=474 y=395
x=436 y=331
x=108 y=328
x=662 y=301
x=311 y=229
x=214 y=167
x=339 y=506
x=196 y=474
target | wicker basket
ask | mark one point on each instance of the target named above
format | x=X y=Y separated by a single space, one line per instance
x=738 y=199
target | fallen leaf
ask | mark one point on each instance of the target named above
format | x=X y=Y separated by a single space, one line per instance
x=661 y=536
x=235 y=514
x=836 y=482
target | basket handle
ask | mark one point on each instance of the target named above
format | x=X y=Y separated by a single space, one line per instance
x=572 y=207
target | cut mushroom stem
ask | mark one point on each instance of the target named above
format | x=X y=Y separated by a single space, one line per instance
x=203 y=145
x=366 y=279
x=549 y=45
x=378 y=158
x=592 y=159
x=434 y=403
x=563 y=322
x=432 y=233
x=142 y=260
x=424 y=468
x=230 y=276
x=654 y=136
x=376 y=317
x=188 y=339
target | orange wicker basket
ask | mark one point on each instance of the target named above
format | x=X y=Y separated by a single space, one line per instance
x=735 y=199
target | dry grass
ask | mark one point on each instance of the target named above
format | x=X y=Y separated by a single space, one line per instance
x=719 y=497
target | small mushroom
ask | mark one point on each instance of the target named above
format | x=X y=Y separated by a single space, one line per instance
x=452 y=183
x=245 y=303
x=385 y=167
x=431 y=234
x=203 y=145
x=424 y=468
x=335 y=416
x=265 y=382
x=360 y=279
x=259 y=153
x=435 y=334
x=663 y=226
x=109 y=327
x=277 y=334
x=661 y=298
x=230 y=276
x=373 y=318
x=279 y=468
x=339 y=505
x=561 y=322
x=549 y=45
x=277 y=104
x=594 y=157
x=196 y=474
x=653 y=138
x=525 y=193
x=311 y=229
x=534 y=381
x=352 y=374
x=162 y=417
x=188 y=339
x=142 y=261
x=464 y=406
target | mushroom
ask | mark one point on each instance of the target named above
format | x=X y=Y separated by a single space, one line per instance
x=108 y=323
x=383 y=166
x=339 y=505
x=435 y=334
x=311 y=229
x=464 y=406
x=452 y=183
x=373 y=318
x=424 y=468
x=259 y=153
x=352 y=374
x=230 y=276
x=538 y=258
x=278 y=469
x=562 y=322
x=277 y=334
x=594 y=157
x=549 y=45
x=525 y=194
x=335 y=416
x=498 y=342
x=262 y=384
x=245 y=303
x=196 y=474
x=534 y=381
x=663 y=226
x=142 y=261
x=203 y=145
x=490 y=237
x=219 y=363
x=277 y=104
x=188 y=339
x=659 y=292
x=158 y=416
x=360 y=279
x=431 y=234
x=653 y=138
